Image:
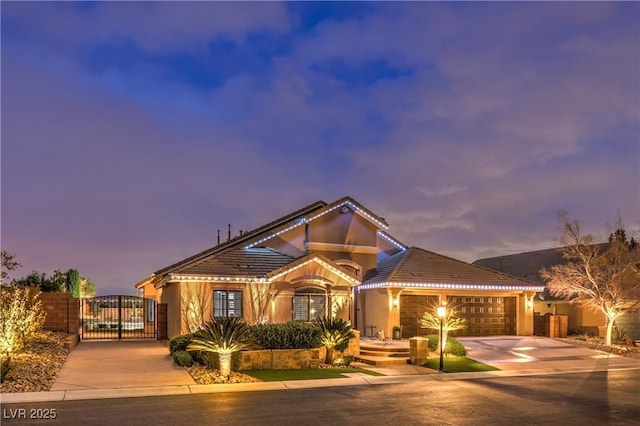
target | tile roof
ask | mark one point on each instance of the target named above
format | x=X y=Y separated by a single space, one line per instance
x=524 y=265
x=254 y=262
x=241 y=240
x=417 y=266
x=252 y=238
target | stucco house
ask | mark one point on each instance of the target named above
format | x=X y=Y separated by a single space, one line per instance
x=336 y=259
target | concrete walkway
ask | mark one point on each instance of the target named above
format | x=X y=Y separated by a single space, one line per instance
x=96 y=370
x=119 y=365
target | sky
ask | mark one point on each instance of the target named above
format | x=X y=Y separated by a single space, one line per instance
x=132 y=132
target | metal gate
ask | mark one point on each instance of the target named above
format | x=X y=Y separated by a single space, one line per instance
x=118 y=317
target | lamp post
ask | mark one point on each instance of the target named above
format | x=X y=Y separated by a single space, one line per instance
x=442 y=312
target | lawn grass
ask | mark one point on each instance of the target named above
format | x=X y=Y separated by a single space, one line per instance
x=459 y=364
x=305 y=374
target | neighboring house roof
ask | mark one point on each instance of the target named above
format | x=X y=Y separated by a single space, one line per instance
x=417 y=267
x=526 y=265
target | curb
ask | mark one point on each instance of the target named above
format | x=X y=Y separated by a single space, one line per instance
x=356 y=379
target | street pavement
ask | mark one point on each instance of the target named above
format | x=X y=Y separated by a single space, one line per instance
x=117 y=369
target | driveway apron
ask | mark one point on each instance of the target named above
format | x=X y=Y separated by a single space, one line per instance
x=120 y=364
x=533 y=352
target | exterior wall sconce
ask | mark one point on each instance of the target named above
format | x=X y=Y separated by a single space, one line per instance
x=394 y=303
x=530 y=304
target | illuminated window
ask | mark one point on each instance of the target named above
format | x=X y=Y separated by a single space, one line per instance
x=227 y=303
x=308 y=303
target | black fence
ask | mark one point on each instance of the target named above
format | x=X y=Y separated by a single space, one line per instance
x=118 y=317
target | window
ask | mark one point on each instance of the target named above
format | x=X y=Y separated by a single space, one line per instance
x=151 y=310
x=308 y=304
x=227 y=303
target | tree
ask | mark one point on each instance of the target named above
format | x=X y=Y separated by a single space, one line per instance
x=261 y=295
x=73 y=283
x=601 y=277
x=336 y=333
x=225 y=336
x=58 y=282
x=21 y=314
x=450 y=322
x=8 y=264
x=87 y=287
x=196 y=306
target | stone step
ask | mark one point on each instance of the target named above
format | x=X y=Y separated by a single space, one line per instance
x=376 y=353
x=383 y=349
x=382 y=361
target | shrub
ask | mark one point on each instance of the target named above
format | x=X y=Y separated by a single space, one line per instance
x=212 y=359
x=223 y=336
x=179 y=343
x=290 y=335
x=336 y=333
x=453 y=347
x=21 y=314
x=345 y=361
x=183 y=358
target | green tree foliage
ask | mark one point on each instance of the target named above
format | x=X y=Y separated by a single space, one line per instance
x=58 y=282
x=8 y=264
x=73 y=282
x=336 y=333
x=87 y=287
x=602 y=277
x=224 y=336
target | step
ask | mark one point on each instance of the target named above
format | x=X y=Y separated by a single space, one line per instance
x=382 y=361
x=383 y=349
x=371 y=352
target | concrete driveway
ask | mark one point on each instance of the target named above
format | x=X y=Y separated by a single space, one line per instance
x=533 y=352
x=120 y=364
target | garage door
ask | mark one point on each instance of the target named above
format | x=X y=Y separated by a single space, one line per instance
x=412 y=307
x=486 y=316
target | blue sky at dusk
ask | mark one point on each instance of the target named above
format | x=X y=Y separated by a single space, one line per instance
x=131 y=132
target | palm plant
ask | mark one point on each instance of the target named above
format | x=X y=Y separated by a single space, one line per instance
x=336 y=333
x=450 y=322
x=224 y=336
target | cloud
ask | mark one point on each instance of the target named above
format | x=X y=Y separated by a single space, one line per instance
x=466 y=125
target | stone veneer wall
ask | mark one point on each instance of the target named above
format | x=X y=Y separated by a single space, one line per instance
x=293 y=358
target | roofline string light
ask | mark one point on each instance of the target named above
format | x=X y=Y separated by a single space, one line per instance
x=396 y=243
x=216 y=278
x=451 y=286
x=322 y=263
x=261 y=279
x=304 y=220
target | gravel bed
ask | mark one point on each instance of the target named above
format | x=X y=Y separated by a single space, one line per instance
x=207 y=376
x=36 y=368
x=597 y=343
